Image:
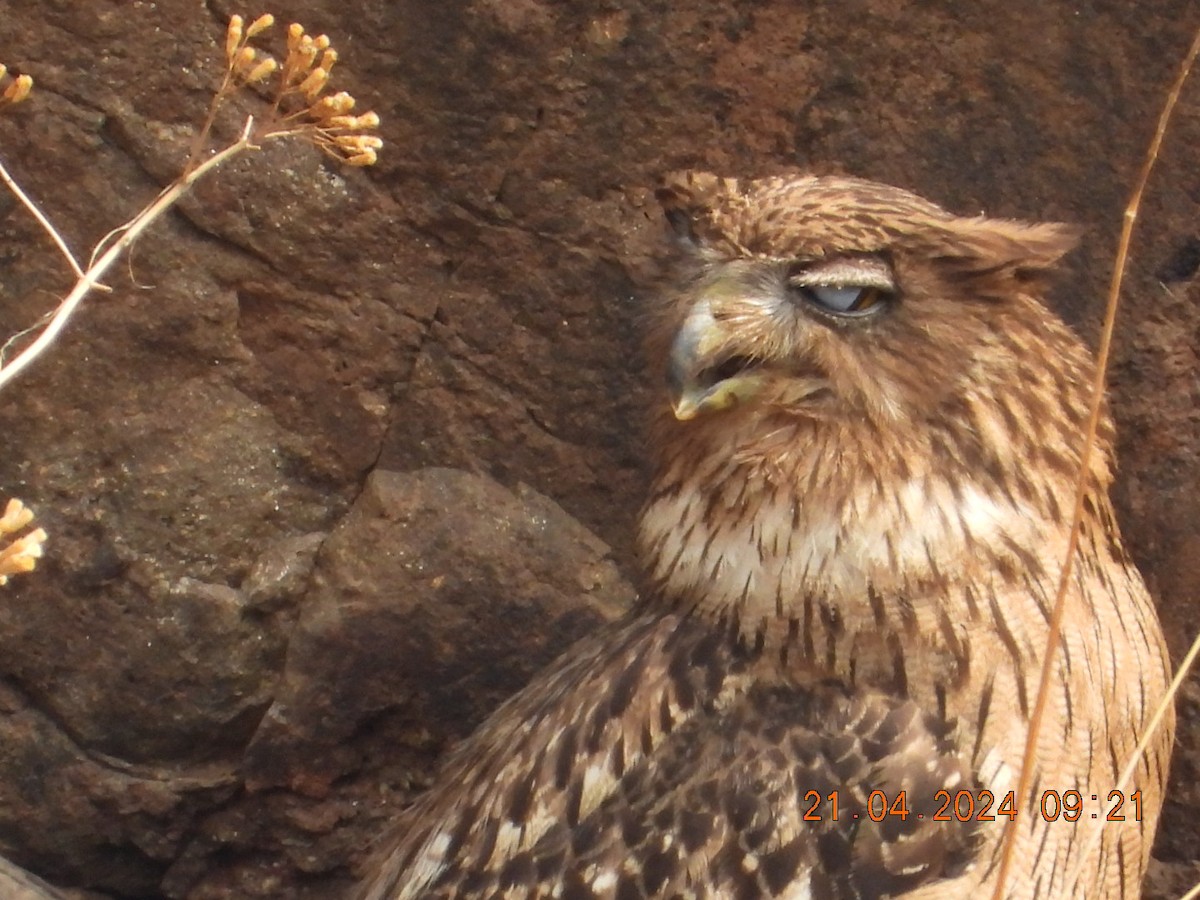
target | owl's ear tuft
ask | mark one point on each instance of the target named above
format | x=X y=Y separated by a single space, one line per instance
x=682 y=225
x=1019 y=245
x=693 y=189
x=680 y=199
x=688 y=199
x=1005 y=253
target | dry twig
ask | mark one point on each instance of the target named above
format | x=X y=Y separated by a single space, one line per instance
x=1053 y=640
x=301 y=108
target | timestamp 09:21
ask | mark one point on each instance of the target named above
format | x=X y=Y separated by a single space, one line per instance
x=977 y=806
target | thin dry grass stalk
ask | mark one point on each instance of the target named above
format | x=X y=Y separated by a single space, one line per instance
x=301 y=107
x=1053 y=640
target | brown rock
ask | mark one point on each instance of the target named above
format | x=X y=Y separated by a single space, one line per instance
x=88 y=818
x=439 y=595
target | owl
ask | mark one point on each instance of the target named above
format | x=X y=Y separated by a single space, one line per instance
x=865 y=451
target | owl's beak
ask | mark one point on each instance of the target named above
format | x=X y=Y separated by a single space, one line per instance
x=700 y=377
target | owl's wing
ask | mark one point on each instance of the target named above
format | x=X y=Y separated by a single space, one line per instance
x=787 y=793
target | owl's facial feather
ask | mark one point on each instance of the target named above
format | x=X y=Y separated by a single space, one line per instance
x=940 y=384
x=844 y=298
x=731 y=345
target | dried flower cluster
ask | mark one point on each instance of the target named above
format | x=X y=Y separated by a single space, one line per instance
x=20 y=555
x=302 y=107
x=16 y=90
x=301 y=104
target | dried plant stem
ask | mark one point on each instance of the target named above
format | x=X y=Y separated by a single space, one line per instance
x=322 y=118
x=1131 y=764
x=41 y=220
x=1053 y=638
x=201 y=137
x=89 y=280
x=1161 y=710
x=1155 y=720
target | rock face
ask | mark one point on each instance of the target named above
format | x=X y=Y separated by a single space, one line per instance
x=438 y=595
x=263 y=617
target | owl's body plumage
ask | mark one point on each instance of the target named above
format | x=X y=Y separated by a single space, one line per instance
x=859 y=512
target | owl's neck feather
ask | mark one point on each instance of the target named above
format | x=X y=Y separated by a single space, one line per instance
x=769 y=538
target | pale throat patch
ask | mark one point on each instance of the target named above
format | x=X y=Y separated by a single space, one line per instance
x=874 y=539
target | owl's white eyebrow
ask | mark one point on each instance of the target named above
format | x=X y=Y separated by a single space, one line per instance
x=846 y=271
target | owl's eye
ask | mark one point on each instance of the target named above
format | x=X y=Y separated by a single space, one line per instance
x=847 y=301
x=845 y=286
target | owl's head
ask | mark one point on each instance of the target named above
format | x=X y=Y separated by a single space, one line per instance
x=849 y=343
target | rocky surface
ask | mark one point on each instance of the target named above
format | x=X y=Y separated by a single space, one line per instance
x=238 y=657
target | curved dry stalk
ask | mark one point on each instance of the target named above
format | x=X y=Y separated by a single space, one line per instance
x=12 y=341
x=1053 y=639
x=321 y=118
x=1160 y=711
x=130 y=232
x=41 y=220
x=1131 y=764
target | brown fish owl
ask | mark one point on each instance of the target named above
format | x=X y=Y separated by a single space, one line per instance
x=864 y=475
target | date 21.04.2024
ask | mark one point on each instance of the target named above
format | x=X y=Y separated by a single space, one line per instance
x=975 y=806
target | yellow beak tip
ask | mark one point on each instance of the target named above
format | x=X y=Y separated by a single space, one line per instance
x=685 y=411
